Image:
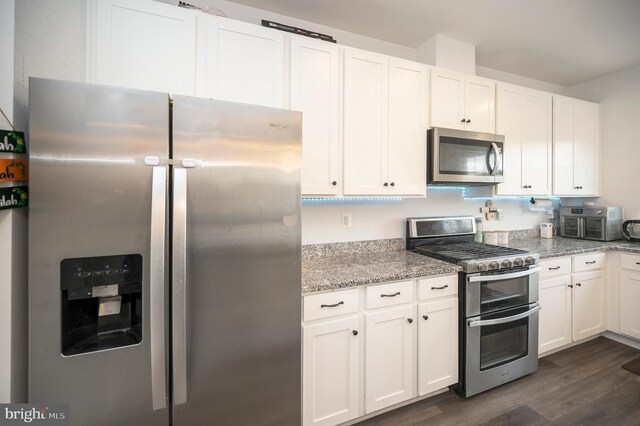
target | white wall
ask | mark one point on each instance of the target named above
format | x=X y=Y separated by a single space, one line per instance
x=619 y=97
x=321 y=220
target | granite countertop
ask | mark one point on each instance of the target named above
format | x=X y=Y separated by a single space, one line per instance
x=326 y=273
x=328 y=267
x=559 y=246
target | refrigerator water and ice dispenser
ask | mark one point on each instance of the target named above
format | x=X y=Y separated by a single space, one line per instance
x=101 y=303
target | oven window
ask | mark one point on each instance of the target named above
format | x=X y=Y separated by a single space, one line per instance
x=464 y=156
x=503 y=294
x=570 y=226
x=594 y=228
x=503 y=343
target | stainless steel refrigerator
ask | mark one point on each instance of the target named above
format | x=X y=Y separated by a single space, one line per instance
x=164 y=257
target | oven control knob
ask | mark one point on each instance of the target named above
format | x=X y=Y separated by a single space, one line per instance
x=494 y=265
x=482 y=267
x=518 y=262
x=506 y=263
x=529 y=260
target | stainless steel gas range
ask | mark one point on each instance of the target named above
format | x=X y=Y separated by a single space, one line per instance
x=498 y=294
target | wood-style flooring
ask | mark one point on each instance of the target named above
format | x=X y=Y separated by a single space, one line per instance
x=582 y=385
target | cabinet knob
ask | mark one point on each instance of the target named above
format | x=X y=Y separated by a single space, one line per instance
x=409 y=320
x=425 y=317
x=570 y=286
x=468 y=121
x=578 y=284
x=463 y=120
x=386 y=184
x=393 y=184
x=334 y=183
x=355 y=332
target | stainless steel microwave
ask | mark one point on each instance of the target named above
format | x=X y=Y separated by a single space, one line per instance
x=463 y=157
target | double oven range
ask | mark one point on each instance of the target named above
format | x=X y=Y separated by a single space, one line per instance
x=498 y=294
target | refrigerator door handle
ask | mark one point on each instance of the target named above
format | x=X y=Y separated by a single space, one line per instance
x=179 y=292
x=157 y=287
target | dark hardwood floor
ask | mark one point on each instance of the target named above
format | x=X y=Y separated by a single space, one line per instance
x=583 y=385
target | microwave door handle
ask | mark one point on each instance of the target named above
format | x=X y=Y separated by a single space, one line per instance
x=501 y=277
x=498 y=156
x=479 y=323
x=491 y=155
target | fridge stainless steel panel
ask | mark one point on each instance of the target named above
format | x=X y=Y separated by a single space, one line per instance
x=241 y=362
x=91 y=195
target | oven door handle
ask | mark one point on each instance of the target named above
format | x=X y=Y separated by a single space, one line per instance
x=480 y=323
x=501 y=277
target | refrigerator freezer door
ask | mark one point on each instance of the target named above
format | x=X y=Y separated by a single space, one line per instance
x=241 y=363
x=91 y=195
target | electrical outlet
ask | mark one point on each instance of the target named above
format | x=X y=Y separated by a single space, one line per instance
x=346 y=220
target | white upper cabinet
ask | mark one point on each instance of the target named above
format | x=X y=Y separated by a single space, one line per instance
x=240 y=62
x=385 y=123
x=366 y=122
x=408 y=116
x=524 y=117
x=142 y=44
x=314 y=90
x=462 y=101
x=576 y=147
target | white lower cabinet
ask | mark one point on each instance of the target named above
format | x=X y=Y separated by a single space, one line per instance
x=331 y=376
x=588 y=304
x=555 y=316
x=573 y=305
x=389 y=372
x=437 y=345
x=629 y=301
x=379 y=346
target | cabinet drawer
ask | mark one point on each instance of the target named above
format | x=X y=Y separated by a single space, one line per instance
x=588 y=262
x=431 y=288
x=325 y=305
x=378 y=296
x=630 y=261
x=555 y=267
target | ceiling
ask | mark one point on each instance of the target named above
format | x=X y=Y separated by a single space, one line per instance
x=558 y=41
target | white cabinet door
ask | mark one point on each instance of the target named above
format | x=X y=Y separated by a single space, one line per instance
x=331 y=353
x=408 y=101
x=389 y=371
x=563 y=137
x=536 y=158
x=586 y=147
x=576 y=147
x=314 y=90
x=629 y=301
x=555 y=315
x=241 y=62
x=588 y=304
x=437 y=345
x=510 y=110
x=142 y=44
x=447 y=99
x=479 y=104
x=366 y=120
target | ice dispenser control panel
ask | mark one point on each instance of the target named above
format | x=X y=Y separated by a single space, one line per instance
x=101 y=303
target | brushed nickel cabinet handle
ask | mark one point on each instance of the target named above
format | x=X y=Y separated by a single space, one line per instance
x=332 y=306
x=440 y=288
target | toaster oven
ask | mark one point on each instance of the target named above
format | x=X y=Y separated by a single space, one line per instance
x=591 y=223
